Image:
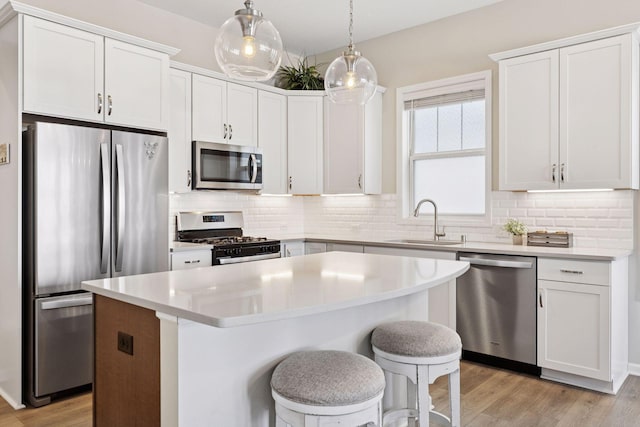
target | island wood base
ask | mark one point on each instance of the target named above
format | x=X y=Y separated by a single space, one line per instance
x=126 y=386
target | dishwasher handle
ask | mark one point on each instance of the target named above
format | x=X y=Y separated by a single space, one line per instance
x=497 y=262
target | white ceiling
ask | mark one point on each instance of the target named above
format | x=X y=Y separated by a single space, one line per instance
x=318 y=26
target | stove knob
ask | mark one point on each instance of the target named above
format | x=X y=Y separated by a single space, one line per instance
x=227 y=252
x=238 y=251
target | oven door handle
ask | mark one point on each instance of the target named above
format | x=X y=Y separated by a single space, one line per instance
x=240 y=259
x=497 y=263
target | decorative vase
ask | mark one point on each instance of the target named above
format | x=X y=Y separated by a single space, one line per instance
x=517 y=239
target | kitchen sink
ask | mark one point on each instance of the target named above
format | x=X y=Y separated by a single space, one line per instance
x=426 y=242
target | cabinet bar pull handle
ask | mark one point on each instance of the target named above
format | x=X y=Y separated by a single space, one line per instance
x=195 y=261
x=189 y=178
x=99 y=103
x=562 y=270
x=290 y=182
x=360 y=181
x=562 y=172
x=109 y=105
x=225 y=131
x=230 y=132
x=553 y=173
x=541 y=306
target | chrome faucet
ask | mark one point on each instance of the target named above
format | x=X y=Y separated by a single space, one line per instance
x=416 y=212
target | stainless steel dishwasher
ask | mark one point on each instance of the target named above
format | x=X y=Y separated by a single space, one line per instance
x=496 y=310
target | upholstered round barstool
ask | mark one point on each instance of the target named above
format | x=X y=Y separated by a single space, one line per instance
x=422 y=352
x=319 y=387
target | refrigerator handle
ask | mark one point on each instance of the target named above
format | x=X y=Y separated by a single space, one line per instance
x=68 y=302
x=120 y=215
x=106 y=208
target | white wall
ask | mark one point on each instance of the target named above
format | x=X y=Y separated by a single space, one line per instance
x=10 y=218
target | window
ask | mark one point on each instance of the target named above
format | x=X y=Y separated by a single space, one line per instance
x=446 y=145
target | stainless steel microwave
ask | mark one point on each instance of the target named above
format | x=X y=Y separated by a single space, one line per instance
x=226 y=166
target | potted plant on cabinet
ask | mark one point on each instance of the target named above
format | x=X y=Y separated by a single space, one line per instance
x=517 y=229
x=302 y=77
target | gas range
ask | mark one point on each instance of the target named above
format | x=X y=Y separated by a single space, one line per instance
x=223 y=230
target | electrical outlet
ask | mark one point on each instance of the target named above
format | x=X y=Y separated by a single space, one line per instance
x=4 y=154
x=125 y=343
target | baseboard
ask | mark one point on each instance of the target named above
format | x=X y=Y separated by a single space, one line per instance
x=634 y=369
x=10 y=401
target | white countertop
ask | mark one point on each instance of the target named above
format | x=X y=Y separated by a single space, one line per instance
x=261 y=291
x=594 y=254
x=187 y=246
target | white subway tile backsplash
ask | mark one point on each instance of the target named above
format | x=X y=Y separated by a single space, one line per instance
x=597 y=219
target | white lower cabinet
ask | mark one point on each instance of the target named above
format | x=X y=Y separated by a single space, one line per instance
x=442 y=298
x=574 y=328
x=582 y=322
x=292 y=248
x=191 y=259
x=311 y=248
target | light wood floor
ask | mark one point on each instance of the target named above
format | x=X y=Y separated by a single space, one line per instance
x=70 y=412
x=490 y=397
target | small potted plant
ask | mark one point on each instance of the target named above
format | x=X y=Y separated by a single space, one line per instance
x=517 y=229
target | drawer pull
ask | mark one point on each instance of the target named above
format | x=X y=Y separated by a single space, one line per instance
x=195 y=261
x=562 y=270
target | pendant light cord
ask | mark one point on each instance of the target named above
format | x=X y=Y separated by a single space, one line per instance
x=350 y=24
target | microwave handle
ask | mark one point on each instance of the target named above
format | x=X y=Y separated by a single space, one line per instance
x=253 y=163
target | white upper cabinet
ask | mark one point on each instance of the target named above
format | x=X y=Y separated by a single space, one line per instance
x=353 y=147
x=209 y=109
x=76 y=74
x=272 y=139
x=242 y=114
x=136 y=86
x=569 y=117
x=179 y=131
x=305 y=123
x=529 y=122
x=599 y=114
x=63 y=71
x=224 y=112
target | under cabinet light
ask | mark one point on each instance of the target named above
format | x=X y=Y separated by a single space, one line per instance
x=581 y=190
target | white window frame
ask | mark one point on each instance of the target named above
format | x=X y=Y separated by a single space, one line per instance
x=404 y=162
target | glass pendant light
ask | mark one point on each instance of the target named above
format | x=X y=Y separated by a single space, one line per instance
x=248 y=46
x=350 y=79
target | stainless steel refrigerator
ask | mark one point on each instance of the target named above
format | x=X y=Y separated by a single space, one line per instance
x=95 y=206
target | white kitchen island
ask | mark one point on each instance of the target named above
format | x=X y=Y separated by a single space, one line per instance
x=223 y=329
